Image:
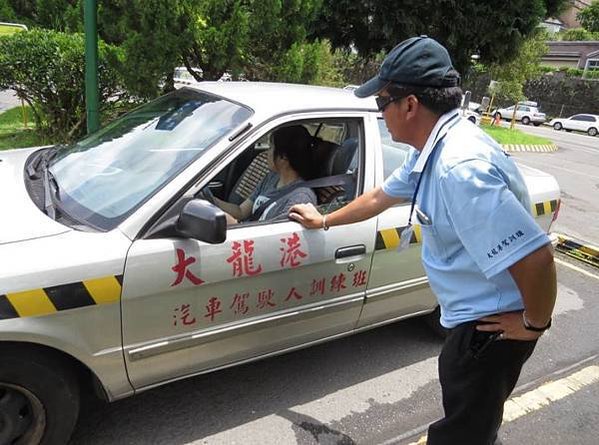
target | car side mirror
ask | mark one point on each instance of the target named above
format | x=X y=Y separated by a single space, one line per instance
x=202 y=221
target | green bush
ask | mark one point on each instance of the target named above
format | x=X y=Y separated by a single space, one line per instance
x=47 y=70
x=578 y=34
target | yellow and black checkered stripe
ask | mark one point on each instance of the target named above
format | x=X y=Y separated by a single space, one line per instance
x=544 y=208
x=48 y=300
x=389 y=238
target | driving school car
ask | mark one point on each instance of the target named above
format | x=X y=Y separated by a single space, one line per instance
x=115 y=275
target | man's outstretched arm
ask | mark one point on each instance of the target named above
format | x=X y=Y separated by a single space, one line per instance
x=363 y=207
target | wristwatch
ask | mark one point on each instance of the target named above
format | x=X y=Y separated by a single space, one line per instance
x=530 y=327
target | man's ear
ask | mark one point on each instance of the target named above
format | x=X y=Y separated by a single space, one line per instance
x=412 y=106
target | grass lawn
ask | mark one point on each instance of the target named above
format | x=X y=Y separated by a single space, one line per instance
x=6 y=30
x=507 y=136
x=13 y=134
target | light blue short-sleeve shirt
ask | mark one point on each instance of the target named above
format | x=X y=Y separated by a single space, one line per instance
x=479 y=208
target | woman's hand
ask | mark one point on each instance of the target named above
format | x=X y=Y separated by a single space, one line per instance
x=306 y=215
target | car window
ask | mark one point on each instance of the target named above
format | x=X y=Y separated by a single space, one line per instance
x=577 y=117
x=587 y=118
x=106 y=176
x=394 y=153
x=334 y=163
x=521 y=108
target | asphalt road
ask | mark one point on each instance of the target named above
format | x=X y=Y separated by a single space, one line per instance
x=576 y=168
x=378 y=387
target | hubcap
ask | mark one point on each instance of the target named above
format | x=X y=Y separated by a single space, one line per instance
x=22 y=416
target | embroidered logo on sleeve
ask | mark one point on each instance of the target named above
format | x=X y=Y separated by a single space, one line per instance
x=504 y=244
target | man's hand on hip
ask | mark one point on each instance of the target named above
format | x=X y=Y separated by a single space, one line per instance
x=511 y=323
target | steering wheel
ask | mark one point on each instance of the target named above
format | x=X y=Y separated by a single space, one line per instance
x=206 y=195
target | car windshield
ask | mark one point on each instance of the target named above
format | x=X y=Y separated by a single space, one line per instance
x=105 y=177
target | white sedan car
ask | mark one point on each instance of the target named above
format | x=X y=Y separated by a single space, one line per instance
x=117 y=276
x=589 y=123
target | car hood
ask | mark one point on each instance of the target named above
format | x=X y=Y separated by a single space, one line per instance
x=21 y=219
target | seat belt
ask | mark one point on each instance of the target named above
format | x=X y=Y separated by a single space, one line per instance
x=327 y=181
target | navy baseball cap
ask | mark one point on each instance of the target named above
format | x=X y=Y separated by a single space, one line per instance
x=418 y=61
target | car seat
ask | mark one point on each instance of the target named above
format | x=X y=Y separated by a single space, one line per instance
x=251 y=177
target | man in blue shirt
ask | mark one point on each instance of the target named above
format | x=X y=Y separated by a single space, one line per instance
x=490 y=265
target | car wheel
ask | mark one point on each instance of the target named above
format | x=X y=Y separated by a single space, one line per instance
x=525 y=120
x=592 y=131
x=557 y=126
x=433 y=320
x=472 y=119
x=39 y=397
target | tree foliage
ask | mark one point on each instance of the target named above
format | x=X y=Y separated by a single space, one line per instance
x=46 y=69
x=578 y=34
x=524 y=67
x=589 y=17
x=491 y=29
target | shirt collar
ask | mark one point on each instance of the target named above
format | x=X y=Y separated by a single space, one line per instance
x=440 y=130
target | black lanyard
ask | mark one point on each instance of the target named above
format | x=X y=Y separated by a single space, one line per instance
x=431 y=154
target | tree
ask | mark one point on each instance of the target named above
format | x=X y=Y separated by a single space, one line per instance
x=524 y=67
x=589 y=17
x=46 y=69
x=491 y=29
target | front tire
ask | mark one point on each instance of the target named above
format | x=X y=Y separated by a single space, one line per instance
x=472 y=119
x=525 y=120
x=39 y=397
x=557 y=126
x=592 y=131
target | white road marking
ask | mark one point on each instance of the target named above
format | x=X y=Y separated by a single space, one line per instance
x=544 y=395
x=576 y=268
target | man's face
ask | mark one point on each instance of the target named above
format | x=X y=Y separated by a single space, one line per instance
x=394 y=114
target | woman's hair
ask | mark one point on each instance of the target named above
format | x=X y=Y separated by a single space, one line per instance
x=294 y=144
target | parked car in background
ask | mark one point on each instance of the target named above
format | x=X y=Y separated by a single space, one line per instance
x=589 y=123
x=526 y=112
x=118 y=274
x=472 y=116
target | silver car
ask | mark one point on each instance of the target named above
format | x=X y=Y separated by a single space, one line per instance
x=116 y=276
x=526 y=112
x=589 y=123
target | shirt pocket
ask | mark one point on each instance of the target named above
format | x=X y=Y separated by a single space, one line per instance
x=432 y=242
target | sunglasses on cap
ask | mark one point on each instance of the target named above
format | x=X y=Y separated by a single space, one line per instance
x=383 y=102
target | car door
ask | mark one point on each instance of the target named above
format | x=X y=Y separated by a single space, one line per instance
x=189 y=306
x=398 y=285
x=575 y=122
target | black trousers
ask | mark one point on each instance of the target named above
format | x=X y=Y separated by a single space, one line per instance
x=475 y=385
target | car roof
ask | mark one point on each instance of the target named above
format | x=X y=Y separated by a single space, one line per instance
x=279 y=98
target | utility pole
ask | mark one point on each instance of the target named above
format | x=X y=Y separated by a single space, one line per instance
x=90 y=10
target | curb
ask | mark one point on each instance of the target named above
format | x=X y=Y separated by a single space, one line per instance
x=586 y=253
x=530 y=148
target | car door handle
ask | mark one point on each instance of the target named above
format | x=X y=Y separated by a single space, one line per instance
x=344 y=252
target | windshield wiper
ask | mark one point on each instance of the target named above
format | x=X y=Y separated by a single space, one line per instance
x=34 y=170
x=40 y=168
